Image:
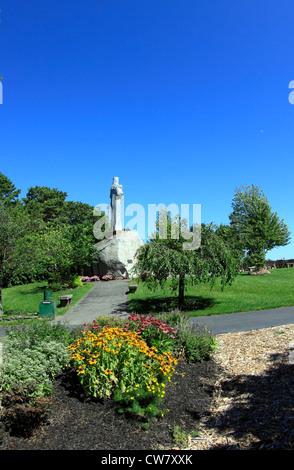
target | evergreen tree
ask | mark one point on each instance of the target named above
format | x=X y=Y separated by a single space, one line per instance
x=8 y=192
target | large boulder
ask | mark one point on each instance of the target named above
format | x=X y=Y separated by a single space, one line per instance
x=116 y=255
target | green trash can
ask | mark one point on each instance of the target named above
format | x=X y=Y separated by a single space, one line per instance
x=47 y=308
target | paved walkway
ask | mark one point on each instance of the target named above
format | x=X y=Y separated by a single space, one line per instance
x=103 y=299
x=246 y=321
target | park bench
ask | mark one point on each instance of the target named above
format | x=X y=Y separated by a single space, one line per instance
x=132 y=289
x=65 y=300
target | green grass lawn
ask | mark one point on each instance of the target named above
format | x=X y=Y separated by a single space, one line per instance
x=247 y=293
x=26 y=299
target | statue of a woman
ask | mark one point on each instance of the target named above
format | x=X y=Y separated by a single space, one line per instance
x=116 y=197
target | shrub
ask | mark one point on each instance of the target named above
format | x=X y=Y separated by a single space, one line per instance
x=195 y=340
x=172 y=331
x=72 y=282
x=32 y=357
x=38 y=332
x=21 y=416
x=155 y=332
x=119 y=364
x=90 y=278
x=55 y=286
x=77 y=282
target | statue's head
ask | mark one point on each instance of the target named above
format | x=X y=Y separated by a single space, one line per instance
x=115 y=180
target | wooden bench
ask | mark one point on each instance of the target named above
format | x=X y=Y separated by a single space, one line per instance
x=132 y=289
x=65 y=300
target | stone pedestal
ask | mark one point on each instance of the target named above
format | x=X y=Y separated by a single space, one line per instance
x=117 y=254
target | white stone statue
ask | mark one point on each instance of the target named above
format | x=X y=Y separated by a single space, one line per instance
x=116 y=197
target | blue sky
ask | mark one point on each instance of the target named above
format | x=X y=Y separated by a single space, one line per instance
x=183 y=100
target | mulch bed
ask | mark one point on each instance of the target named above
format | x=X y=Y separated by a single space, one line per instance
x=75 y=422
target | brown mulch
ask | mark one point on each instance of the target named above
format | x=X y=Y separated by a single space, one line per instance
x=253 y=405
x=75 y=422
x=241 y=399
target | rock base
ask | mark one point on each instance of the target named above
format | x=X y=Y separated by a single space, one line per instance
x=117 y=254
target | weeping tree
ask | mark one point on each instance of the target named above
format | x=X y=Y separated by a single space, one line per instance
x=173 y=253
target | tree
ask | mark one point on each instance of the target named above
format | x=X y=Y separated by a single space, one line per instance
x=83 y=252
x=65 y=250
x=54 y=240
x=79 y=213
x=162 y=258
x=46 y=203
x=15 y=229
x=232 y=238
x=260 y=229
x=8 y=192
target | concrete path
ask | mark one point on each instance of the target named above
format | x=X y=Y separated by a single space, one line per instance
x=246 y=321
x=103 y=299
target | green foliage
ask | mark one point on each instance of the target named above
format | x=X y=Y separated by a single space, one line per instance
x=195 y=341
x=259 y=228
x=76 y=282
x=141 y=403
x=65 y=250
x=162 y=258
x=44 y=237
x=32 y=357
x=38 y=332
x=15 y=250
x=113 y=362
x=46 y=203
x=8 y=192
x=181 y=437
x=115 y=358
x=130 y=362
x=73 y=283
x=111 y=358
x=154 y=332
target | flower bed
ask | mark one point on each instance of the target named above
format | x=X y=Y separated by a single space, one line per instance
x=132 y=361
x=90 y=278
x=129 y=362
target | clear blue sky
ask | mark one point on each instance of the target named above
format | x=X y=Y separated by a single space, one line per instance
x=184 y=100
